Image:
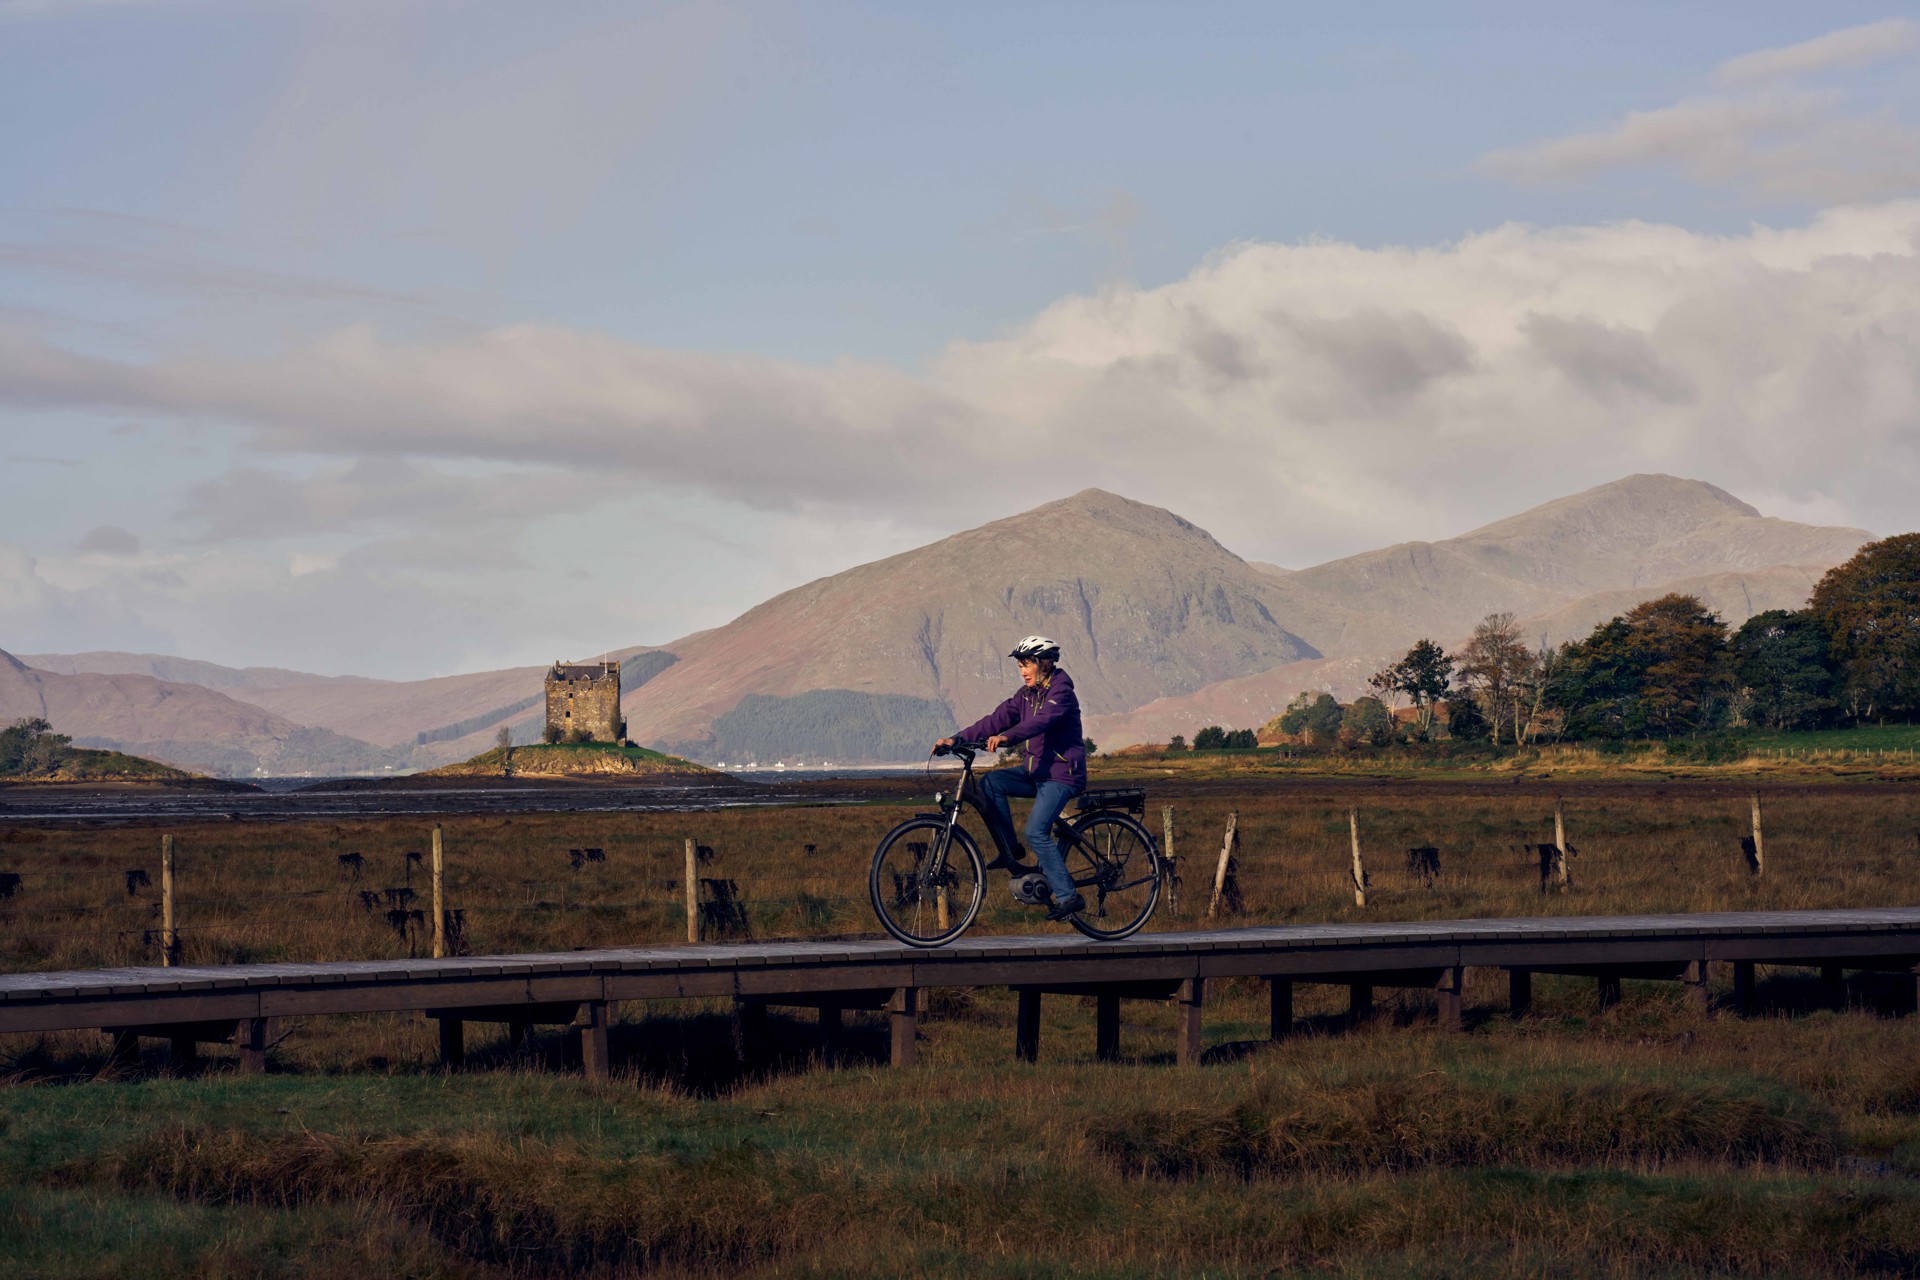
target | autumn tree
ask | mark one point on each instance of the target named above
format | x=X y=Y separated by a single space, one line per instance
x=1312 y=712
x=1869 y=609
x=1782 y=670
x=1658 y=670
x=1366 y=722
x=1496 y=665
x=1423 y=677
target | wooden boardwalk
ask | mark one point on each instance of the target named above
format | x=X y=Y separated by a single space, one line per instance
x=239 y=1003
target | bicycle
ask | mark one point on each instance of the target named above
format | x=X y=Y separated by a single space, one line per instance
x=928 y=879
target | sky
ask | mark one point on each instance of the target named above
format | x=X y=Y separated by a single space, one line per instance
x=410 y=337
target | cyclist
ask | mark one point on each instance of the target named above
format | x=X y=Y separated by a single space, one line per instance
x=1045 y=715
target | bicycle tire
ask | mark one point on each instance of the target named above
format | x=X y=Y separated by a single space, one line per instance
x=899 y=904
x=1106 y=862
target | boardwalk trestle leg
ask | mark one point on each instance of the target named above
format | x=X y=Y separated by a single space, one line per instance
x=597 y=1017
x=903 y=1012
x=453 y=1044
x=831 y=1023
x=1359 y=1002
x=1026 y=1026
x=1519 y=992
x=251 y=1036
x=1696 y=978
x=1743 y=986
x=750 y=1033
x=1448 y=990
x=1106 y=1035
x=1187 y=1035
x=1279 y=1008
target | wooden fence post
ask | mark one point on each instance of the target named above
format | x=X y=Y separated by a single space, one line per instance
x=1561 y=876
x=1359 y=870
x=1226 y=859
x=1759 y=848
x=169 y=941
x=693 y=893
x=1166 y=853
x=439 y=900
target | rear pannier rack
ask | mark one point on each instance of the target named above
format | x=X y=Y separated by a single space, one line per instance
x=1132 y=799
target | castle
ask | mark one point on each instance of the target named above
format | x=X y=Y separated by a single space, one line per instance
x=583 y=703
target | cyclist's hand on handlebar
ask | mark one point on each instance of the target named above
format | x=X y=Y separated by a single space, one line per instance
x=995 y=742
x=940 y=746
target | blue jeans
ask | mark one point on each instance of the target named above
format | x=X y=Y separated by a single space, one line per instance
x=1049 y=798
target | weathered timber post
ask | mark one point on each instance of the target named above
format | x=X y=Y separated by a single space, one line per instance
x=1166 y=853
x=252 y=1037
x=1279 y=1008
x=1221 y=872
x=1519 y=992
x=1187 y=1037
x=453 y=1043
x=1026 y=1025
x=1359 y=870
x=903 y=1012
x=1359 y=1001
x=1561 y=876
x=595 y=1056
x=693 y=893
x=831 y=1033
x=1759 y=862
x=1448 y=990
x=1743 y=986
x=169 y=940
x=439 y=899
x=1106 y=1028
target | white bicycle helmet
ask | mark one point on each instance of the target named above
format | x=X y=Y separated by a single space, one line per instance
x=1035 y=648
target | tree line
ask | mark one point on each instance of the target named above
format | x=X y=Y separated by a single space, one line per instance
x=1665 y=668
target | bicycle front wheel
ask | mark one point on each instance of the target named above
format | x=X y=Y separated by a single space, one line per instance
x=1117 y=869
x=926 y=887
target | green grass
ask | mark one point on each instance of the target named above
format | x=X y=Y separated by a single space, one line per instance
x=1644 y=1141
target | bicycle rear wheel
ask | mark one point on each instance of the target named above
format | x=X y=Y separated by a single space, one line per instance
x=1116 y=867
x=925 y=888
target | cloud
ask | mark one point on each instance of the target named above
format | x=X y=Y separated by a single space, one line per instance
x=1849 y=47
x=1302 y=400
x=110 y=540
x=1822 y=147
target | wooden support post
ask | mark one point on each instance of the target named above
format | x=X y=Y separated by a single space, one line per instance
x=169 y=940
x=1187 y=1035
x=596 y=1061
x=831 y=1025
x=903 y=1012
x=1279 y=1008
x=1359 y=869
x=1448 y=991
x=439 y=899
x=1359 y=1001
x=1834 y=979
x=1607 y=989
x=1519 y=992
x=519 y=1034
x=1743 y=986
x=1026 y=1026
x=453 y=1044
x=1759 y=844
x=182 y=1051
x=1166 y=853
x=1226 y=860
x=251 y=1036
x=1561 y=876
x=1696 y=979
x=693 y=892
x=750 y=1030
x=1106 y=1028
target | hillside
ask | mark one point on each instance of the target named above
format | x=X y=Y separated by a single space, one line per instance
x=1144 y=603
x=183 y=725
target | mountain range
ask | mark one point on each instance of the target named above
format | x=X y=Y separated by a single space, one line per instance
x=1163 y=628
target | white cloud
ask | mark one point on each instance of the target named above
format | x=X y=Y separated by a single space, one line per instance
x=1849 y=47
x=1300 y=400
x=1822 y=147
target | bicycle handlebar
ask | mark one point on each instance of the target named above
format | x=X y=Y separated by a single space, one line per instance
x=961 y=747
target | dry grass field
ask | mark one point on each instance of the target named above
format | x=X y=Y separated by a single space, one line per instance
x=1646 y=1139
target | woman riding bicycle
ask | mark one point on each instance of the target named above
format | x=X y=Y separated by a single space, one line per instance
x=1045 y=715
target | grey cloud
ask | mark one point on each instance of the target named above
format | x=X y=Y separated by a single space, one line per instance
x=1382 y=357
x=110 y=540
x=1607 y=360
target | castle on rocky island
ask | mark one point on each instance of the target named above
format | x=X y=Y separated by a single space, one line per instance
x=583 y=703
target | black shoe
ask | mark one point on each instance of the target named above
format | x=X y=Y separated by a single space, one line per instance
x=1072 y=906
x=1009 y=862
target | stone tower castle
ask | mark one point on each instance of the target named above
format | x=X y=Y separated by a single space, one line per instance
x=583 y=702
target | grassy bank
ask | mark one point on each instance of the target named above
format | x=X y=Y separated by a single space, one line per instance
x=1643 y=1141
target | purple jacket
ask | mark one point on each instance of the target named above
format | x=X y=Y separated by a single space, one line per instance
x=1047 y=719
